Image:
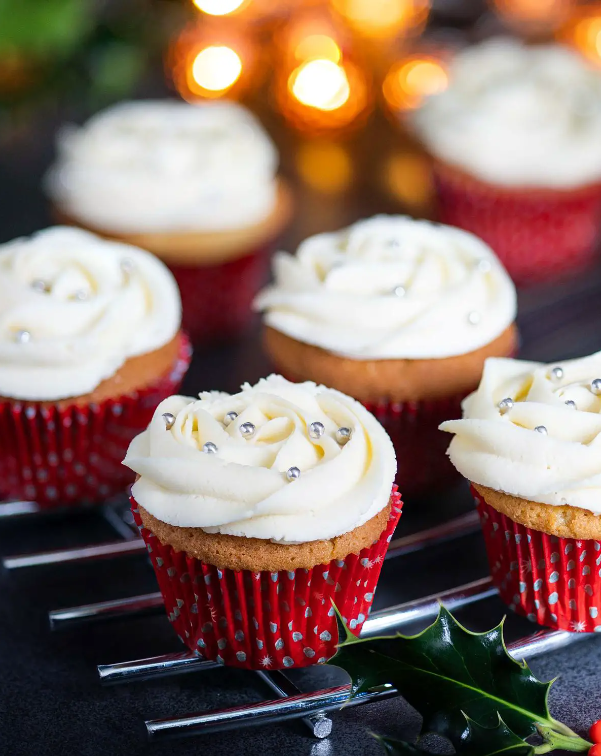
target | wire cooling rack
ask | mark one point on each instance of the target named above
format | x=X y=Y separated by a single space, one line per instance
x=313 y=708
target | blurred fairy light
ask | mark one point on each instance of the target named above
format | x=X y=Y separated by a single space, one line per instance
x=324 y=165
x=321 y=84
x=533 y=16
x=316 y=46
x=583 y=32
x=383 y=18
x=407 y=177
x=219 y=7
x=411 y=80
x=216 y=69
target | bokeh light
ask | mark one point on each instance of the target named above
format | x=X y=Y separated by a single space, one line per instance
x=383 y=18
x=411 y=80
x=324 y=165
x=533 y=16
x=216 y=68
x=320 y=84
x=407 y=177
x=584 y=33
x=316 y=46
x=219 y=7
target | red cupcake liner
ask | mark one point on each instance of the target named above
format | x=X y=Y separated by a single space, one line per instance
x=538 y=235
x=421 y=449
x=266 y=620
x=217 y=299
x=72 y=456
x=552 y=581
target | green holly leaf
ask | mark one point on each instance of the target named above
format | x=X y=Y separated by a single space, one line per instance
x=453 y=676
x=476 y=740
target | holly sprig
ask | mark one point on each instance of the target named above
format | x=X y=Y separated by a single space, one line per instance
x=465 y=685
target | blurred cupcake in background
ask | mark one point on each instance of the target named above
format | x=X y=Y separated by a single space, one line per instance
x=90 y=343
x=516 y=144
x=399 y=314
x=259 y=511
x=194 y=184
x=529 y=442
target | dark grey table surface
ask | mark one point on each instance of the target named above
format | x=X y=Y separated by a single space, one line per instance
x=50 y=698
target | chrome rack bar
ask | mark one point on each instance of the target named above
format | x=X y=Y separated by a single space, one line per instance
x=458 y=527
x=136 y=606
x=378 y=623
x=12 y=509
x=126 y=530
x=108 y=550
x=318 y=724
x=325 y=701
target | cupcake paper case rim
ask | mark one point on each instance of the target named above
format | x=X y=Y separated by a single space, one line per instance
x=72 y=456
x=267 y=620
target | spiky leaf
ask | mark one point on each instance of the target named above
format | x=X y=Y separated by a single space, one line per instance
x=449 y=673
x=496 y=741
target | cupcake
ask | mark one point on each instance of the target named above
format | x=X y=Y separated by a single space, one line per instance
x=516 y=143
x=529 y=442
x=90 y=343
x=401 y=315
x=194 y=184
x=260 y=511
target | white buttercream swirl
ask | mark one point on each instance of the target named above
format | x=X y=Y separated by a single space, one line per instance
x=242 y=489
x=166 y=166
x=74 y=308
x=502 y=450
x=390 y=288
x=517 y=115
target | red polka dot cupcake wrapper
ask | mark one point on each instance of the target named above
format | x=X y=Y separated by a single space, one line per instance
x=66 y=457
x=266 y=620
x=422 y=461
x=552 y=581
x=537 y=235
x=217 y=299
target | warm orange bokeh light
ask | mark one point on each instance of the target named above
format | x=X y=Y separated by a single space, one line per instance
x=325 y=166
x=537 y=16
x=407 y=177
x=584 y=33
x=411 y=80
x=383 y=18
x=215 y=69
x=316 y=46
x=320 y=84
x=219 y=7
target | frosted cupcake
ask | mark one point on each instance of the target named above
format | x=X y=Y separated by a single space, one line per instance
x=516 y=141
x=259 y=510
x=90 y=343
x=194 y=184
x=401 y=315
x=529 y=442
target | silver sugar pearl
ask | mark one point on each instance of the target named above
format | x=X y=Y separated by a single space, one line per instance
x=596 y=386
x=571 y=404
x=483 y=266
x=210 y=448
x=316 y=430
x=22 y=337
x=541 y=429
x=399 y=291
x=169 y=420
x=127 y=265
x=505 y=405
x=248 y=430
x=474 y=317
x=556 y=373
x=229 y=418
x=292 y=473
x=41 y=286
x=80 y=295
x=343 y=435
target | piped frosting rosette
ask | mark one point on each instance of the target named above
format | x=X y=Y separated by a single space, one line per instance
x=285 y=462
x=166 y=166
x=391 y=288
x=534 y=431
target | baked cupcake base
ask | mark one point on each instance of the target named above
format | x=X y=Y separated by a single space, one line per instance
x=538 y=234
x=267 y=619
x=554 y=581
x=70 y=452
